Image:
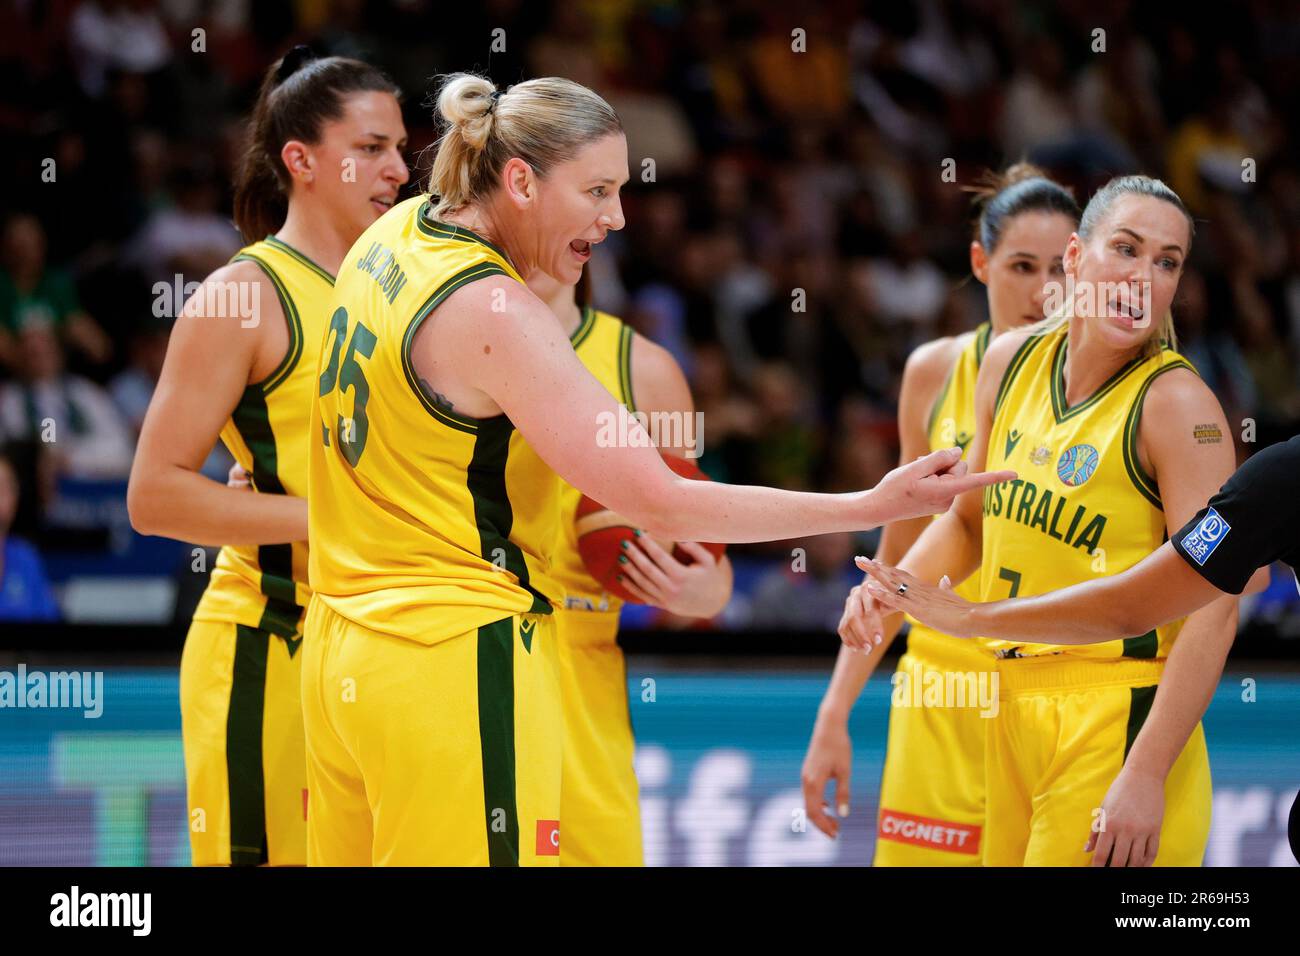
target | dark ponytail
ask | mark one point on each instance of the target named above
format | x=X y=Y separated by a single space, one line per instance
x=1023 y=187
x=299 y=95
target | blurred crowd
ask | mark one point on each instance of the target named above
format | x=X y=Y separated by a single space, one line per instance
x=796 y=222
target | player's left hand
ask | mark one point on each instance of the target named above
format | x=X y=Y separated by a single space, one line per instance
x=688 y=590
x=1132 y=812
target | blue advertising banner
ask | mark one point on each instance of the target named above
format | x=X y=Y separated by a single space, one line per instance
x=92 y=772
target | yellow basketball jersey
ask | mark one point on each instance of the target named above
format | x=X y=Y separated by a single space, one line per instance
x=604 y=344
x=1082 y=506
x=266 y=586
x=425 y=523
x=952 y=420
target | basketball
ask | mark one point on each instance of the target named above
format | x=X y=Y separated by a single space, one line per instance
x=601 y=534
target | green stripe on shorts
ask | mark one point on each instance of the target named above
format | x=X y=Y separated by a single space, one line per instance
x=496 y=727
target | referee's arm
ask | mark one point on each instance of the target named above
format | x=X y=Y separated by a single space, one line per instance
x=1226 y=548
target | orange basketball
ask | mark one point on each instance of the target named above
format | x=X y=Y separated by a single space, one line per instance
x=601 y=534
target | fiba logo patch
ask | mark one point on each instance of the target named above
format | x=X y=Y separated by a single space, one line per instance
x=1076 y=464
x=1200 y=542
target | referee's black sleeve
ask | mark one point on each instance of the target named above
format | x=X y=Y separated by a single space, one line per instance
x=1253 y=521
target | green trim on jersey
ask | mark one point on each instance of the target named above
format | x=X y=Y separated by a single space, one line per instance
x=300 y=257
x=485 y=477
x=461 y=422
x=1057 y=376
x=584 y=327
x=1144 y=646
x=981 y=345
x=1013 y=368
x=437 y=229
x=625 y=366
x=983 y=334
x=251 y=419
x=294 y=352
x=938 y=402
x=1142 y=481
x=496 y=731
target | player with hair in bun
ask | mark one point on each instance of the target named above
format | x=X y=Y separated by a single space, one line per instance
x=241 y=366
x=934 y=761
x=451 y=403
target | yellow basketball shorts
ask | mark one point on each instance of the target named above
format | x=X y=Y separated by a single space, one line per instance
x=245 y=758
x=599 y=800
x=432 y=755
x=932 y=789
x=1061 y=739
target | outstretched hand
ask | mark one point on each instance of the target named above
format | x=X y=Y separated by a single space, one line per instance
x=928 y=485
x=934 y=606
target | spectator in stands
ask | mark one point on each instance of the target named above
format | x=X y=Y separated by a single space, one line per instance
x=191 y=238
x=32 y=294
x=132 y=387
x=25 y=593
x=74 y=419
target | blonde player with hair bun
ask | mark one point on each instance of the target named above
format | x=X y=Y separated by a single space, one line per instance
x=932 y=791
x=1096 y=753
x=451 y=404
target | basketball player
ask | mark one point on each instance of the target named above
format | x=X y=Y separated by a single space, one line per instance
x=324 y=161
x=451 y=405
x=934 y=762
x=1225 y=548
x=599 y=802
x=1103 y=418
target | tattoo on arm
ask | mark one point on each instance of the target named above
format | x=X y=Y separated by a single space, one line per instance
x=442 y=401
x=1208 y=434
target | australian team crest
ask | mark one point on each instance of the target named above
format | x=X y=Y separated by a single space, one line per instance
x=1076 y=464
x=1040 y=455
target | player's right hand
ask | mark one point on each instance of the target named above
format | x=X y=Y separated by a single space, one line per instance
x=928 y=485
x=862 y=625
x=829 y=757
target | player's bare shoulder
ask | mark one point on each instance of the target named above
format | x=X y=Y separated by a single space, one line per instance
x=934 y=360
x=234 y=316
x=1179 y=411
x=239 y=291
x=1178 y=395
x=997 y=357
x=658 y=382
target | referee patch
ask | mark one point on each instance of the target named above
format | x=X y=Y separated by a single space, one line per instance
x=1200 y=542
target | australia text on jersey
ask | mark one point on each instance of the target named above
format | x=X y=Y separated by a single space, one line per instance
x=1024 y=502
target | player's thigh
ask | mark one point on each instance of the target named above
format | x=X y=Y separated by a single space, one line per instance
x=284 y=755
x=458 y=743
x=207 y=662
x=932 y=788
x=600 y=807
x=1189 y=798
x=1011 y=764
x=338 y=810
x=1098 y=726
